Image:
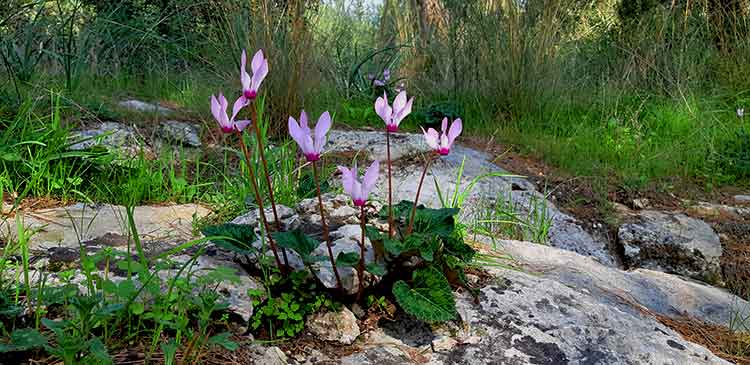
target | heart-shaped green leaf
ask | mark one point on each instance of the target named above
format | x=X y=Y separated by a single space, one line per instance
x=429 y=298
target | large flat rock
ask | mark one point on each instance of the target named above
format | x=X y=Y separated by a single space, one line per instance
x=106 y=224
x=662 y=293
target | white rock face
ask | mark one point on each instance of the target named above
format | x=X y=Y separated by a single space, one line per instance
x=334 y=326
x=672 y=242
x=662 y=293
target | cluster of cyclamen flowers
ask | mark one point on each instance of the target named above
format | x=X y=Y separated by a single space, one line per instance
x=312 y=142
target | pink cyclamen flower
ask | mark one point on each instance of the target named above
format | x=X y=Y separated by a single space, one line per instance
x=259 y=66
x=392 y=116
x=219 y=110
x=359 y=190
x=310 y=142
x=442 y=143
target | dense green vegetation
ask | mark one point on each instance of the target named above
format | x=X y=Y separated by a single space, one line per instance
x=641 y=91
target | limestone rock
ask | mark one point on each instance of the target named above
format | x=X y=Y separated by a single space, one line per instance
x=719 y=211
x=662 y=293
x=180 y=132
x=289 y=218
x=106 y=225
x=372 y=144
x=143 y=107
x=345 y=239
x=338 y=209
x=334 y=326
x=117 y=138
x=531 y=320
x=672 y=243
x=559 y=307
x=272 y=356
x=742 y=198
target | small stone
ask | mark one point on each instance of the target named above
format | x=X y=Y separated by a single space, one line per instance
x=273 y=356
x=358 y=311
x=289 y=218
x=443 y=344
x=471 y=340
x=181 y=132
x=642 y=203
x=335 y=326
x=742 y=198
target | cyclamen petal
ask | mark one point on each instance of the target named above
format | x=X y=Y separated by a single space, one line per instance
x=259 y=75
x=295 y=131
x=359 y=191
x=240 y=125
x=219 y=110
x=244 y=76
x=311 y=143
x=303 y=121
x=216 y=109
x=259 y=68
x=400 y=101
x=403 y=112
x=431 y=138
x=258 y=60
x=237 y=107
x=455 y=130
x=383 y=109
x=370 y=178
x=321 y=129
x=442 y=142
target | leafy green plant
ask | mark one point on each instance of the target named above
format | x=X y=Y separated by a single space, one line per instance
x=283 y=315
x=442 y=255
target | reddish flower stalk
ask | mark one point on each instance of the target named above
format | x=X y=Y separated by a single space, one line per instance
x=262 y=153
x=326 y=235
x=361 y=266
x=392 y=116
x=259 y=200
x=311 y=142
x=416 y=198
x=359 y=191
x=390 y=187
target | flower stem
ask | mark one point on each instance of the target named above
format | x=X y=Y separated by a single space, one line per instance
x=259 y=200
x=361 y=266
x=390 y=187
x=416 y=198
x=262 y=153
x=326 y=235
